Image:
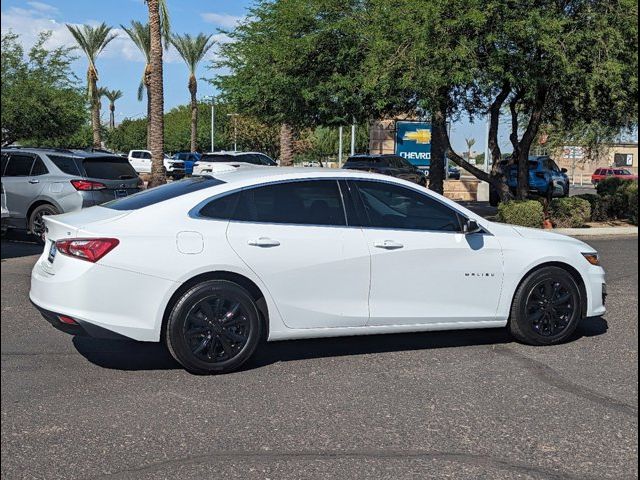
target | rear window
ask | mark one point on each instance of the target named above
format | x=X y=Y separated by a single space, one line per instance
x=372 y=161
x=108 y=168
x=162 y=193
x=66 y=164
x=219 y=158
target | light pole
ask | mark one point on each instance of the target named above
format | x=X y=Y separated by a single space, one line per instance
x=212 y=98
x=235 y=130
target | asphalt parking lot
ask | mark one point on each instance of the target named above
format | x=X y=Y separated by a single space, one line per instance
x=431 y=405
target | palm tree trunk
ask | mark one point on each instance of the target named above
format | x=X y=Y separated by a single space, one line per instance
x=286 y=145
x=95 y=113
x=112 y=116
x=193 y=89
x=156 y=113
x=147 y=86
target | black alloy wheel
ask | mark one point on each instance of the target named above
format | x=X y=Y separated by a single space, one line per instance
x=214 y=327
x=546 y=308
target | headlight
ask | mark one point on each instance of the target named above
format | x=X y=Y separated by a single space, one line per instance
x=592 y=257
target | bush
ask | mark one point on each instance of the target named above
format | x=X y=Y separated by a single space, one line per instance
x=599 y=206
x=570 y=212
x=632 y=199
x=527 y=213
x=611 y=186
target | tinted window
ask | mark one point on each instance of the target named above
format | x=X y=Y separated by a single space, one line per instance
x=145 y=155
x=162 y=193
x=108 y=168
x=267 y=160
x=220 y=208
x=315 y=202
x=38 y=168
x=18 y=166
x=218 y=158
x=381 y=162
x=135 y=154
x=393 y=206
x=5 y=159
x=66 y=164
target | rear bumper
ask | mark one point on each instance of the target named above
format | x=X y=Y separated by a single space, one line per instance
x=80 y=328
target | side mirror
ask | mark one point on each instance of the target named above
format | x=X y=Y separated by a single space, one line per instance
x=564 y=170
x=471 y=227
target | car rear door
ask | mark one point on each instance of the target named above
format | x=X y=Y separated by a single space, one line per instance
x=295 y=237
x=424 y=270
x=21 y=187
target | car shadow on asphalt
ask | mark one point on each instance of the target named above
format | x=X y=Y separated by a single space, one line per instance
x=130 y=355
x=18 y=244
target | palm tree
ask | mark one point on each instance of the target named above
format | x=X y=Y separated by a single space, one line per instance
x=192 y=50
x=92 y=41
x=158 y=29
x=470 y=143
x=112 y=96
x=139 y=34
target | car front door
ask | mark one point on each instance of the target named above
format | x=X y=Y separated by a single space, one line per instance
x=295 y=237
x=21 y=187
x=424 y=270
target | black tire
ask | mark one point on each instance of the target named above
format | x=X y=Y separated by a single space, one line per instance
x=36 y=224
x=494 y=198
x=546 y=308
x=199 y=337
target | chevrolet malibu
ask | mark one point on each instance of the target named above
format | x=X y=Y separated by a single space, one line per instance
x=212 y=265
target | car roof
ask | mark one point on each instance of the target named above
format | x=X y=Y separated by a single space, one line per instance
x=72 y=152
x=233 y=153
x=364 y=156
x=244 y=172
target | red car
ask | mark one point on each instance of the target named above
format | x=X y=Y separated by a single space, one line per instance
x=602 y=173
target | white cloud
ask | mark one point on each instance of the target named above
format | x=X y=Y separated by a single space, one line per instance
x=43 y=7
x=222 y=19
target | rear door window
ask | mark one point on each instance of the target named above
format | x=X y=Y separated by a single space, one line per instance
x=66 y=164
x=38 y=168
x=108 y=168
x=18 y=165
x=313 y=202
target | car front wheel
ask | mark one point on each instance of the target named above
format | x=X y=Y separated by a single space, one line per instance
x=214 y=327
x=546 y=308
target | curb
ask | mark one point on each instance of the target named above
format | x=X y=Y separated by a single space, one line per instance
x=596 y=232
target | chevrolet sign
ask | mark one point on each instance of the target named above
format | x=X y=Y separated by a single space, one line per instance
x=413 y=142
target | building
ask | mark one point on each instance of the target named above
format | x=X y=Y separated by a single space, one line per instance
x=581 y=162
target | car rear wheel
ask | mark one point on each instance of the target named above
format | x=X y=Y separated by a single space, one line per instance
x=36 y=220
x=546 y=308
x=214 y=327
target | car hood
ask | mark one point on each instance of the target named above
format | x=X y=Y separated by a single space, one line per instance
x=538 y=234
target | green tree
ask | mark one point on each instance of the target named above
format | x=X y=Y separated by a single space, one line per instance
x=42 y=102
x=112 y=96
x=92 y=40
x=297 y=64
x=192 y=50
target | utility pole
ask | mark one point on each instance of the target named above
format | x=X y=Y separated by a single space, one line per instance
x=340 y=146
x=212 y=99
x=235 y=130
x=486 y=148
x=353 y=137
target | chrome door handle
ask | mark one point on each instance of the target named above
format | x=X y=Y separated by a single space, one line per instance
x=264 y=242
x=388 y=245
x=34 y=180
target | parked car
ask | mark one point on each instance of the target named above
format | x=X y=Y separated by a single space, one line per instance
x=453 y=173
x=47 y=181
x=546 y=179
x=189 y=158
x=387 y=164
x=140 y=160
x=209 y=161
x=4 y=212
x=602 y=173
x=282 y=253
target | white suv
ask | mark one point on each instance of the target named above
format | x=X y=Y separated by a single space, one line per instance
x=140 y=160
x=211 y=162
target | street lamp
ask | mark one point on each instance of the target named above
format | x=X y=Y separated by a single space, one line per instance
x=235 y=130
x=212 y=98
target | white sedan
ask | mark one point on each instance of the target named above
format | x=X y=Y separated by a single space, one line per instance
x=211 y=265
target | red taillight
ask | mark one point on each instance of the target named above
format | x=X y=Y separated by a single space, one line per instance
x=67 y=320
x=89 y=249
x=85 y=185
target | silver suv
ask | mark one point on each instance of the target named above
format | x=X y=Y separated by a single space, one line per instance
x=39 y=181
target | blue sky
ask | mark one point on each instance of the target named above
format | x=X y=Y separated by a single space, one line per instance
x=120 y=66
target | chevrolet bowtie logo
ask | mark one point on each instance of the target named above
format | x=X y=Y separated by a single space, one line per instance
x=421 y=136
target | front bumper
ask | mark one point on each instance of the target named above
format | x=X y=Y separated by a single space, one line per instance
x=596 y=286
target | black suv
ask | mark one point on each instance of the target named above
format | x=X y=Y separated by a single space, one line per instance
x=392 y=165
